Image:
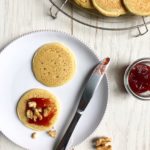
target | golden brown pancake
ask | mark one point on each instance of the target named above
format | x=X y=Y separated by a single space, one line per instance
x=38 y=109
x=85 y=3
x=138 y=7
x=112 y=8
x=53 y=64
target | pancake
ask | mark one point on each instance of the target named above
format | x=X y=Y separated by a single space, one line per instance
x=38 y=102
x=53 y=64
x=138 y=7
x=111 y=8
x=84 y=3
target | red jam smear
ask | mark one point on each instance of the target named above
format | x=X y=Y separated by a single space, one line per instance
x=42 y=103
x=139 y=78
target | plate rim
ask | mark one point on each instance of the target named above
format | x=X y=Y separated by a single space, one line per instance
x=73 y=37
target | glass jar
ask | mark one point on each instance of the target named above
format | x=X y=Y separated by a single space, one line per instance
x=137 y=79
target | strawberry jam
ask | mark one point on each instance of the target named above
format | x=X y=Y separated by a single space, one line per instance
x=139 y=78
x=42 y=103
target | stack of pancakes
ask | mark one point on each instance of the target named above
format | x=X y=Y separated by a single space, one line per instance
x=115 y=8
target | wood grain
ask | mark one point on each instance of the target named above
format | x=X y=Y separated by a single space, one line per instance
x=126 y=120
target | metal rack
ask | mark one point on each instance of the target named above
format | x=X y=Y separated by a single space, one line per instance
x=139 y=23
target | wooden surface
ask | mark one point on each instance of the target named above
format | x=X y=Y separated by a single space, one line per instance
x=126 y=120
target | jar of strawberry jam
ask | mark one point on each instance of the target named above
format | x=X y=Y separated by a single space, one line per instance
x=137 y=79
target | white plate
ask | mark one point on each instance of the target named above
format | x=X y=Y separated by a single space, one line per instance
x=16 y=77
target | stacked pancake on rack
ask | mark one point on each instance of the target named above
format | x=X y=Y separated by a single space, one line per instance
x=115 y=8
x=138 y=7
x=85 y=3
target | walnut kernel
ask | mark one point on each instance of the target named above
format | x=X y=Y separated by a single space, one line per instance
x=35 y=118
x=104 y=147
x=29 y=114
x=32 y=104
x=46 y=111
x=37 y=113
x=103 y=143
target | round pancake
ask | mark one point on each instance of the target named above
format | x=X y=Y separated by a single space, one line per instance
x=84 y=3
x=111 y=8
x=138 y=7
x=37 y=93
x=53 y=64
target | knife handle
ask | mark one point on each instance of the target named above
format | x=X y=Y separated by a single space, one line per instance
x=63 y=143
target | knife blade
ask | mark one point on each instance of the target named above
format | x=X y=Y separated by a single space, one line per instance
x=90 y=87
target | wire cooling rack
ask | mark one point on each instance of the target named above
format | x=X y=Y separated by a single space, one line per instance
x=95 y=20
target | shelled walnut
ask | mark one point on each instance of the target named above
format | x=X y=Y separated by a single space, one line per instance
x=103 y=143
x=32 y=104
x=37 y=113
x=46 y=111
x=34 y=118
x=109 y=147
x=29 y=114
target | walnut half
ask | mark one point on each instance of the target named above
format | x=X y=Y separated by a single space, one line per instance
x=32 y=104
x=29 y=114
x=103 y=143
x=104 y=147
x=37 y=113
x=46 y=111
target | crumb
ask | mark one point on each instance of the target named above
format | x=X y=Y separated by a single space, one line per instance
x=34 y=135
x=52 y=133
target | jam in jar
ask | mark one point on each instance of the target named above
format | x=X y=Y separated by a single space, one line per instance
x=137 y=79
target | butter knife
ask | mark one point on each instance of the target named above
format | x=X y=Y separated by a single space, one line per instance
x=90 y=87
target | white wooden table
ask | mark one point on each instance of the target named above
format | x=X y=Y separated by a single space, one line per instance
x=126 y=120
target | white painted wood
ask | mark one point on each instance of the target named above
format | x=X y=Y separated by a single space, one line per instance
x=126 y=120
